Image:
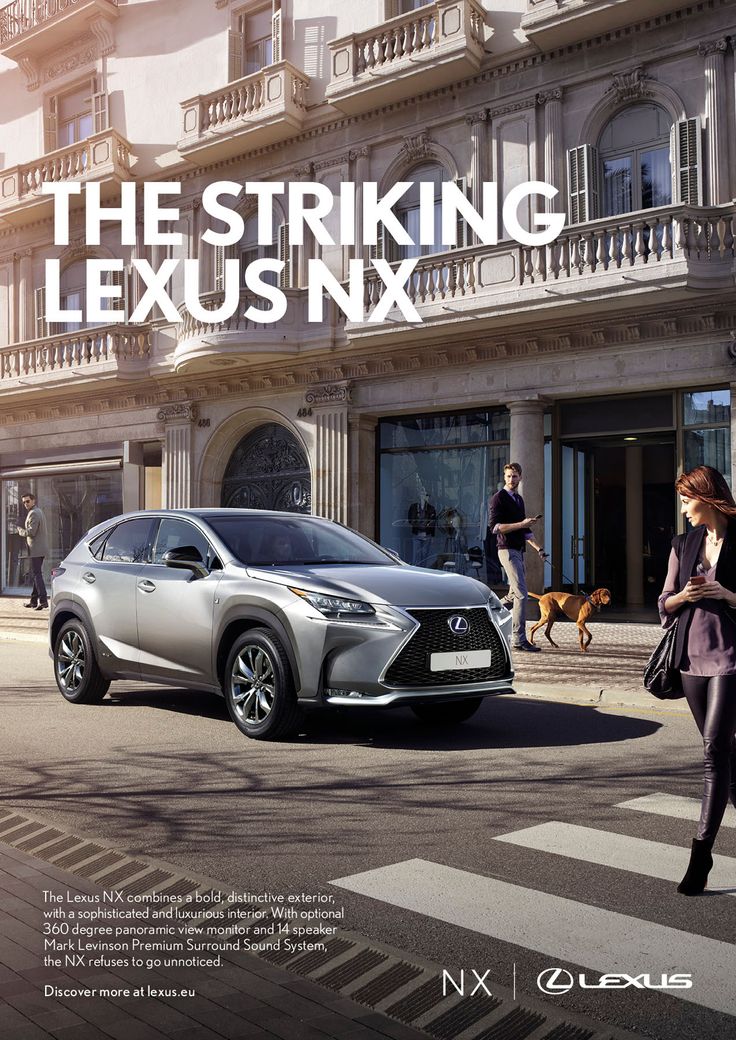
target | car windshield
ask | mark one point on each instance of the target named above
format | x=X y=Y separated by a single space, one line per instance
x=272 y=541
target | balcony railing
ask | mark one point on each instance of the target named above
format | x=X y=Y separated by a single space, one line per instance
x=85 y=348
x=22 y=16
x=581 y=253
x=103 y=155
x=555 y=23
x=441 y=41
x=265 y=106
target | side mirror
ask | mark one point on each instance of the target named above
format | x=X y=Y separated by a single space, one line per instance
x=393 y=553
x=187 y=558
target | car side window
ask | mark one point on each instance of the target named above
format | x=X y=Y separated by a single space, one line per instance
x=175 y=534
x=128 y=543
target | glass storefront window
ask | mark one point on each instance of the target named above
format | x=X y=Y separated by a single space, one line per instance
x=707 y=406
x=708 y=440
x=709 y=448
x=71 y=503
x=437 y=473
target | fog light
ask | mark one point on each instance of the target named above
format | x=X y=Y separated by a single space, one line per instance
x=331 y=692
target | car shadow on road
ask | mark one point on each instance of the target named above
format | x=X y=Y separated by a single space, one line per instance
x=500 y=722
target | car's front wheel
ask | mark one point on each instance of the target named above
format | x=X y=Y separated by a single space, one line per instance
x=449 y=713
x=75 y=666
x=259 y=687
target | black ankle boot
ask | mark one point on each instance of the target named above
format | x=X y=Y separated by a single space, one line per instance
x=696 y=874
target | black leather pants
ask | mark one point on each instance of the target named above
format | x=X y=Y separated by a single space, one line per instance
x=712 y=701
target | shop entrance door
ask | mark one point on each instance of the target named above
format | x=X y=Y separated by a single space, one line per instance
x=577 y=519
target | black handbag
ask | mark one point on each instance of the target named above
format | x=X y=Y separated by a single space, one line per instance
x=661 y=677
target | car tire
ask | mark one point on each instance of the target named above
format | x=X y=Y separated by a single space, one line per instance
x=449 y=713
x=76 y=670
x=259 y=687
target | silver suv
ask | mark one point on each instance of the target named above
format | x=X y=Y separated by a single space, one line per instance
x=275 y=611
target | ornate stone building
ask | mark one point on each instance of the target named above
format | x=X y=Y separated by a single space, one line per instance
x=603 y=362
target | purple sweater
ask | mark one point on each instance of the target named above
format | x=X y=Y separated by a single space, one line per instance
x=711 y=638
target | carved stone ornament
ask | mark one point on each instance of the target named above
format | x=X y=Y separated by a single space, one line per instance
x=477 y=117
x=30 y=71
x=182 y=412
x=631 y=86
x=713 y=47
x=329 y=393
x=549 y=95
x=418 y=147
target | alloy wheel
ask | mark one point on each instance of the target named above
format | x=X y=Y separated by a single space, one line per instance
x=252 y=684
x=71 y=662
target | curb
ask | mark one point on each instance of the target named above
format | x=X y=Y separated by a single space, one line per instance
x=600 y=697
x=21 y=635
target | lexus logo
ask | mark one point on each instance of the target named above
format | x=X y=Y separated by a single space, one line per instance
x=555 y=981
x=458 y=624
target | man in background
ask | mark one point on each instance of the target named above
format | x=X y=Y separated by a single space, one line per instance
x=36 y=538
x=512 y=527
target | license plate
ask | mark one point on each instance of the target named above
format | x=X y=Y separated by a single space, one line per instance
x=460 y=659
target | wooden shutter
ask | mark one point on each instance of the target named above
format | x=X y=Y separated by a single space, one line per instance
x=98 y=106
x=119 y=278
x=236 y=49
x=463 y=233
x=218 y=280
x=287 y=274
x=380 y=250
x=51 y=124
x=686 y=157
x=582 y=182
x=276 y=36
x=39 y=299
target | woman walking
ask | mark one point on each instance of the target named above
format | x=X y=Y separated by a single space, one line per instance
x=699 y=591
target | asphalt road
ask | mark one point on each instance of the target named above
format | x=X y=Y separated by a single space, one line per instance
x=164 y=774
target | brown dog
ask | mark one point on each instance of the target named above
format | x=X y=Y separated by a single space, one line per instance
x=554 y=605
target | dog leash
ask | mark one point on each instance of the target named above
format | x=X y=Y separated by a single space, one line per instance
x=564 y=577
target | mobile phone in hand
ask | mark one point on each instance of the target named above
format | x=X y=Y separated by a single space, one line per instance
x=539 y=516
x=698 y=579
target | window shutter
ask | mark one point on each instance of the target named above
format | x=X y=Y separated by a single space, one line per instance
x=462 y=231
x=285 y=278
x=98 y=105
x=276 y=36
x=379 y=251
x=219 y=269
x=235 y=52
x=40 y=309
x=51 y=125
x=119 y=278
x=686 y=156
x=582 y=181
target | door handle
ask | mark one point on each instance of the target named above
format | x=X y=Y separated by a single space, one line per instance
x=89 y=577
x=146 y=586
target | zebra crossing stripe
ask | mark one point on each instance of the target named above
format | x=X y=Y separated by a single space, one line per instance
x=566 y=931
x=674 y=805
x=638 y=855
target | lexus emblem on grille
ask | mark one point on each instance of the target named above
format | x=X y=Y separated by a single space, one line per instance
x=458 y=624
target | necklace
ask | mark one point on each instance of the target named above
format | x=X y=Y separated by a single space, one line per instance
x=714 y=539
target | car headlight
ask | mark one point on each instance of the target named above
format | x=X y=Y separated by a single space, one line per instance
x=335 y=607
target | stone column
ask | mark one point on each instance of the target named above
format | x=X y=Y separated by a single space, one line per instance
x=307 y=251
x=527 y=448
x=634 y=528
x=361 y=174
x=133 y=493
x=714 y=53
x=362 y=475
x=176 y=491
x=553 y=152
x=26 y=316
x=329 y=405
x=477 y=123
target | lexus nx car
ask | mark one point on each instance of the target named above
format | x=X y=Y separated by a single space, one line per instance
x=276 y=612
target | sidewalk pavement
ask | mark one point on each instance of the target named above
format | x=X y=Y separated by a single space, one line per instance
x=609 y=673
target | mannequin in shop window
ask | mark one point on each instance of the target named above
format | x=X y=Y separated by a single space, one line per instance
x=456 y=544
x=422 y=524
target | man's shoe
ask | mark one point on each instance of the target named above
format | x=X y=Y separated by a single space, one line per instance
x=31 y=606
x=529 y=647
x=42 y=606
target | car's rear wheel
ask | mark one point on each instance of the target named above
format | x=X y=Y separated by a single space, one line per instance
x=259 y=687
x=449 y=713
x=75 y=666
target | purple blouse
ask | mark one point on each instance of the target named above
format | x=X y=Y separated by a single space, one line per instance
x=711 y=638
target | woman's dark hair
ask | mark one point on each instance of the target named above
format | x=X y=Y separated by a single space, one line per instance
x=709 y=486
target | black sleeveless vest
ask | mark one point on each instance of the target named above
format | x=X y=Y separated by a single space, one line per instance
x=688 y=546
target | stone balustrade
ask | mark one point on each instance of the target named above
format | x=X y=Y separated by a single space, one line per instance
x=21 y=16
x=82 y=349
x=102 y=155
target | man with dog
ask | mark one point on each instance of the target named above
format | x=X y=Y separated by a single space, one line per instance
x=508 y=521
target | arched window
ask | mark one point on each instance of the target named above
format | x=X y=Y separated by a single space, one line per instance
x=73 y=297
x=268 y=470
x=407 y=210
x=635 y=160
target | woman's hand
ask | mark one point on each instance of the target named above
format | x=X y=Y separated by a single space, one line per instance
x=711 y=590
